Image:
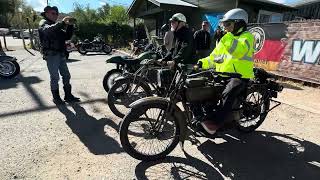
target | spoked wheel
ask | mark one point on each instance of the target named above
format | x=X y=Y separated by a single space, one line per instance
x=109 y=79
x=130 y=92
x=255 y=110
x=9 y=69
x=147 y=133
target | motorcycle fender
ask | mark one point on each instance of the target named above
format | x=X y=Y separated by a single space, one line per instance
x=116 y=60
x=178 y=113
x=146 y=55
x=119 y=78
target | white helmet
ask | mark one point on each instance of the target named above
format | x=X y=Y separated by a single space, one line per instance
x=236 y=14
x=178 y=17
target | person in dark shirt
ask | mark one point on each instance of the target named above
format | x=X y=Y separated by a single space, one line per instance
x=202 y=40
x=218 y=34
x=52 y=36
x=182 y=50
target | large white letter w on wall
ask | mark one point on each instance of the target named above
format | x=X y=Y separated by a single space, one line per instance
x=306 y=51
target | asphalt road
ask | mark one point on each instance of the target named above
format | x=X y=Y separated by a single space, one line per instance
x=40 y=141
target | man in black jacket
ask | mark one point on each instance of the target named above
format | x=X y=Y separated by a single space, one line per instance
x=182 y=50
x=202 y=41
x=52 y=39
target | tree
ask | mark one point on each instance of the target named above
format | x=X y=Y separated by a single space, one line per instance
x=103 y=12
x=8 y=9
x=118 y=14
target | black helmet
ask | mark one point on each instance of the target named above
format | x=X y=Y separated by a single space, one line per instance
x=47 y=8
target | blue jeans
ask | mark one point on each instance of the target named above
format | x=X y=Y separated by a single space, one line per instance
x=56 y=63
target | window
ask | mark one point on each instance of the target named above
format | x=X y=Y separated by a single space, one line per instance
x=268 y=16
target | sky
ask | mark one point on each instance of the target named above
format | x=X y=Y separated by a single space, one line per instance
x=67 y=5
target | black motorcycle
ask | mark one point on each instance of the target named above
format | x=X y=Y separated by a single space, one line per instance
x=127 y=64
x=97 y=45
x=141 y=45
x=9 y=67
x=155 y=125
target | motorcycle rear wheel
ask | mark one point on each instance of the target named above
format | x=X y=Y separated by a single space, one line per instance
x=9 y=69
x=107 y=49
x=255 y=111
x=82 y=51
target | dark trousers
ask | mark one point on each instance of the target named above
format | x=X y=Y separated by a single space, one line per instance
x=56 y=64
x=233 y=89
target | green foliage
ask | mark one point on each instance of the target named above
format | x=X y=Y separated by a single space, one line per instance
x=109 y=21
x=10 y=16
x=118 y=14
x=117 y=35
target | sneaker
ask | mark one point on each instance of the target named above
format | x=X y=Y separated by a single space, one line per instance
x=209 y=126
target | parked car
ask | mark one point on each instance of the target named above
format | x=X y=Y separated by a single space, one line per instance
x=26 y=34
x=15 y=33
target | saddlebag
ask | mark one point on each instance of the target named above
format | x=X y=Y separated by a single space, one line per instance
x=198 y=90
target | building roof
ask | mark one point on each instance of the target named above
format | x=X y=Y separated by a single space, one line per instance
x=292 y=4
x=272 y=2
x=304 y=2
x=172 y=2
x=160 y=3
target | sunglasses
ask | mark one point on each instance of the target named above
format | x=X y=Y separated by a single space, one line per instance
x=53 y=13
x=227 y=24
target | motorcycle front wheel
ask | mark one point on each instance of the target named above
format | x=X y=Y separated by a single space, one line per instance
x=148 y=134
x=9 y=69
x=109 y=78
x=130 y=92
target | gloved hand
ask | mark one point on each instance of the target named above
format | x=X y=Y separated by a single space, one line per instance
x=69 y=20
x=170 y=64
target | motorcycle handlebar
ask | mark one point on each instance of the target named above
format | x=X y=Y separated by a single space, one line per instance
x=211 y=71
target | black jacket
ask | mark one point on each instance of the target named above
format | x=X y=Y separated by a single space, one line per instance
x=202 y=40
x=53 y=35
x=182 y=50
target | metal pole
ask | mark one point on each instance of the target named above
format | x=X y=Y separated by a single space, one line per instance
x=5 y=42
x=47 y=2
x=31 y=33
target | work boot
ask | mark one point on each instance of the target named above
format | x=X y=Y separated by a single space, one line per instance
x=209 y=126
x=56 y=97
x=68 y=96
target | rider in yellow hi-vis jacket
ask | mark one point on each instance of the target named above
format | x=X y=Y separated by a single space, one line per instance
x=233 y=54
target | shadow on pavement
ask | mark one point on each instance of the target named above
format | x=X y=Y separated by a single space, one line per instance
x=264 y=155
x=90 y=130
x=13 y=83
x=72 y=60
x=176 y=168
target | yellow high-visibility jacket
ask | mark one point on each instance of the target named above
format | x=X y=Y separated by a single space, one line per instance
x=233 y=54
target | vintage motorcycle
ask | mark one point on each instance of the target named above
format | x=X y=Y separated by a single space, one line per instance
x=127 y=64
x=140 y=46
x=155 y=125
x=97 y=45
x=9 y=67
